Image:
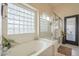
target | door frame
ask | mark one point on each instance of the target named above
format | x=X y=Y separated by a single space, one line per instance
x=76 y=30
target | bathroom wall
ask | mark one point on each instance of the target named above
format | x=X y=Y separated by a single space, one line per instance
x=0 y=25
x=19 y=38
x=65 y=9
x=41 y=8
x=0 y=30
x=44 y=8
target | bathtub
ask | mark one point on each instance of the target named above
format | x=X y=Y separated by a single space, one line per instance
x=41 y=47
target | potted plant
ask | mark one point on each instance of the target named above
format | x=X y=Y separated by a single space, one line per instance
x=63 y=34
x=7 y=42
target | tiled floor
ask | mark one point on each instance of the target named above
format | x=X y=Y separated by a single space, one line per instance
x=75 y=49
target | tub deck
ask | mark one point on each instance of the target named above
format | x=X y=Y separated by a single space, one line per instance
x=33 y=48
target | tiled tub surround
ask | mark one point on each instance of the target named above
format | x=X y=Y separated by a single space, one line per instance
x=0 y=50
x=41 y=47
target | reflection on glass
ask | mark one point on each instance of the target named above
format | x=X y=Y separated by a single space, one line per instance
x=71 y=29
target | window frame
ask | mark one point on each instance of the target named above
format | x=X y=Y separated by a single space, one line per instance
x=27 y=7
x=46 y=15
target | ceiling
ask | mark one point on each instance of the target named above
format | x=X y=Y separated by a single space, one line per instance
x=62 y=9
x=65 y=9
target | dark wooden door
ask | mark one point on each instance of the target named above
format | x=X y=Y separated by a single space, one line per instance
x=70 y=27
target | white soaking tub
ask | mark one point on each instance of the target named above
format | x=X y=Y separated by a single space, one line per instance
x=41 y=47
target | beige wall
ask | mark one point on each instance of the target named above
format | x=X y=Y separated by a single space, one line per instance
x=60 y=9
x=41 y=8
x=0 y=25
x=66 y=9
x=44 y=8
x=19 y=38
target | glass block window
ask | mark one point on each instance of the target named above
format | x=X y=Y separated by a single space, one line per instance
x=20 y=20
x=44 y=23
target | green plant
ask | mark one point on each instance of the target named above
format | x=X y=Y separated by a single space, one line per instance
x=63 y=36
x=7 y=42
x=63 y=33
